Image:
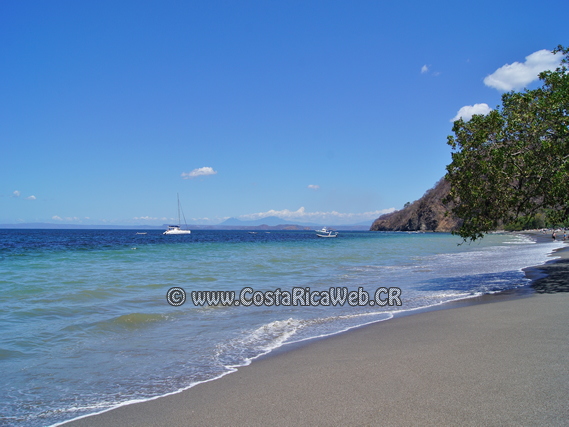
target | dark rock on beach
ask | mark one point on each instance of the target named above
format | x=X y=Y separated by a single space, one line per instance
x=557 y=279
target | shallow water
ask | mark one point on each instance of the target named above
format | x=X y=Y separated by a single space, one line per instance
x=86 y=325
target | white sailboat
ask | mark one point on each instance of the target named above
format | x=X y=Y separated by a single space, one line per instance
x=177 y=229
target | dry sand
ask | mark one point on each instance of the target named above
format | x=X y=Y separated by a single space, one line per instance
x=504 y=361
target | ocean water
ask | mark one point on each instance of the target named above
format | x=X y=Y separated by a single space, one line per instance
x=85 y=324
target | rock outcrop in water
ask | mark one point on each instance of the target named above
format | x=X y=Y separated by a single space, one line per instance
x=425 y=214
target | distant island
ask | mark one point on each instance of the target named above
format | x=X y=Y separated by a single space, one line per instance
x=269 y=220
x=425 y=214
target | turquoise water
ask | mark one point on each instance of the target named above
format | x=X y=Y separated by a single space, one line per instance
x=86 y=325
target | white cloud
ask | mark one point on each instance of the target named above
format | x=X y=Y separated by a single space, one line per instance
x=424 y=69
x=147 y=218
x=468 y=111
x=16 y=194
x=517 y=75
x=313 y=187
x=56 y=218
x=31 y=198
x=205 y=171
x=331 y=218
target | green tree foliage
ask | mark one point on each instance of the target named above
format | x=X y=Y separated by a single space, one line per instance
x=514 y=162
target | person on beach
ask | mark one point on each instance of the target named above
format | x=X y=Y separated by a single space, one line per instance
x=553 y=235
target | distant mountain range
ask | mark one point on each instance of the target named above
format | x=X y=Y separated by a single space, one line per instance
x=231 y=224
x=269 y=220
x=275 y=220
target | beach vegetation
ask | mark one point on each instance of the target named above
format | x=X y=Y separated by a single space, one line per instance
x=532 y=222
x=512 y=164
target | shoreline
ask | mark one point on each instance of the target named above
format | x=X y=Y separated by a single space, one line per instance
x=201 y=403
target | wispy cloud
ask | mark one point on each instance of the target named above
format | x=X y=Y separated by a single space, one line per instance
x=31 y=198
x=517 y=75
x=313 y=187
x=424 y=69
x=67 y=218
x=332 y=218
x=205 y=171
x=468 y=111
x=15 y=194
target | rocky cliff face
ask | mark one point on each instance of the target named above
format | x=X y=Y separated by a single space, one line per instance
x=425 y=214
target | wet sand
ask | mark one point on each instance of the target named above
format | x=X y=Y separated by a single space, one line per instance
x=501 y=361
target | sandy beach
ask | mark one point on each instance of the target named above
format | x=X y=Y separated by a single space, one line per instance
x=499 y=360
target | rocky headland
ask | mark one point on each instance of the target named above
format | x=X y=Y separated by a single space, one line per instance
x=426 y=214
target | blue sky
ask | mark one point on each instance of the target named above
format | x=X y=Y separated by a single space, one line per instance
x=320 y=111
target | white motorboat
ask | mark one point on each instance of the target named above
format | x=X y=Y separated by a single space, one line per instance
x=177 y=229
x=325 y=232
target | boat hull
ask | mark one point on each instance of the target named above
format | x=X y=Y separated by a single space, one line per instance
x=177 y=232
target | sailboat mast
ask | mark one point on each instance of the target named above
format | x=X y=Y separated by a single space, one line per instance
x=179 y=223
